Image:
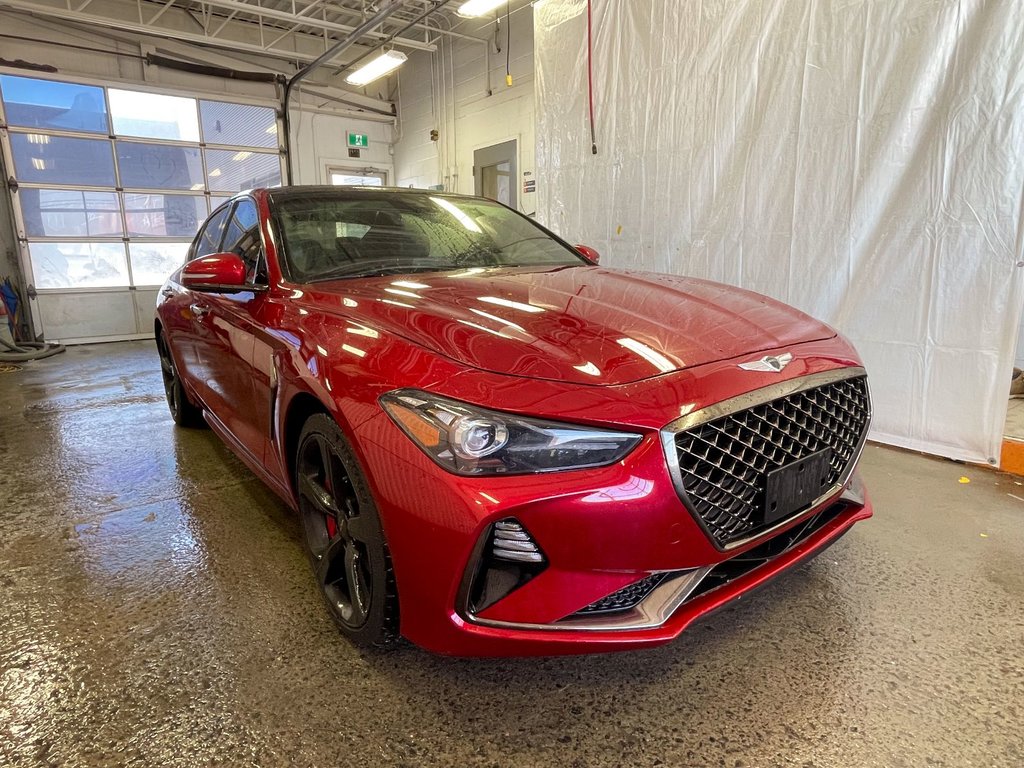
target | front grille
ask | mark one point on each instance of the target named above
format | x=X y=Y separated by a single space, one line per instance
x=626 y=597
x=723 y=463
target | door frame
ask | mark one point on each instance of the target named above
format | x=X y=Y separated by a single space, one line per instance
x=357 y=170
x=492 y=154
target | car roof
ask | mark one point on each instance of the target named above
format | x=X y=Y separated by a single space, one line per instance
x=352 y=192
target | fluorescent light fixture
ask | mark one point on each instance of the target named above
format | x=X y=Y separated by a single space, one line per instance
x=387 y=62
x=214 y=173
x=473 y=8
x=453 y=209
x=240 y=156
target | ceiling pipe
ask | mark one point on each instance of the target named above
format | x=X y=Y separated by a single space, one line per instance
x=330 y=53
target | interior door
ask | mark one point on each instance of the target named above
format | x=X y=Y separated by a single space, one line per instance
x=495 y=173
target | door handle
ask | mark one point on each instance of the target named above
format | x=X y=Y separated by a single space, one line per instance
x=199 y=310
x=168 y=293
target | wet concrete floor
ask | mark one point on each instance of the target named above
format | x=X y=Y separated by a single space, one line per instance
x=156 y=610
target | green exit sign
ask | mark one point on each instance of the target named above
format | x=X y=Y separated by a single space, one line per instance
x=358 y=140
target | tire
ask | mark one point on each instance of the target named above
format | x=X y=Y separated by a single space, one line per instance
x=343 y=536
x=183 y=411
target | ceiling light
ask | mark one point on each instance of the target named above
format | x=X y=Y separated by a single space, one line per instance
x=371 y=70
x=240 y=156
x=214 y=173
x=473 y=8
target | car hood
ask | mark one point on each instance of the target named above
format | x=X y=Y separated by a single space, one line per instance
x=586 y=325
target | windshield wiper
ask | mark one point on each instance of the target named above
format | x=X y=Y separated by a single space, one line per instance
x=344 y=274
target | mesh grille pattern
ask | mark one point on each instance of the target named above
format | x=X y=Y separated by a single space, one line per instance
x=724 y=462
x=626 y=597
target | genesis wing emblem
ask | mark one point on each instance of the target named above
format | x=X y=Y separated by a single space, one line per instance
x=769 y=364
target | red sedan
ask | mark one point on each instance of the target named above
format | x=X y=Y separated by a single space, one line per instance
x=496 y=446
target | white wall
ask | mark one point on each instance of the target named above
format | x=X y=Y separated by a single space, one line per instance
x=320 y=141
x=448 y=91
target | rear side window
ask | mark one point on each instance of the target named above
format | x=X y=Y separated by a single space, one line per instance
x=208 y=240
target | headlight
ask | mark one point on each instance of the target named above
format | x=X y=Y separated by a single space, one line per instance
x=469 y=440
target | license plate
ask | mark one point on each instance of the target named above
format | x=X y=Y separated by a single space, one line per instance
x=793 y=486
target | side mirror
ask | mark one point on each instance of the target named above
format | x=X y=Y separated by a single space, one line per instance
x=589 y=254
x=216 y=273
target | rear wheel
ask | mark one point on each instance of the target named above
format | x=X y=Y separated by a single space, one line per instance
x=184 y=413
x=343 y=535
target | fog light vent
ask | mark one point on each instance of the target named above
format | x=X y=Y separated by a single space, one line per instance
x=513 y=544
x=509 y=557
x=625 y=598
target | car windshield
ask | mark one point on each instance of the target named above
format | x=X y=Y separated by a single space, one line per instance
x=356 y=234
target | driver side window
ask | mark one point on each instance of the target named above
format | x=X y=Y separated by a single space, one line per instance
x=243 y=238
x=208 y=240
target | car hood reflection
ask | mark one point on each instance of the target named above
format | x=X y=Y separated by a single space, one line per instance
x=585 y=325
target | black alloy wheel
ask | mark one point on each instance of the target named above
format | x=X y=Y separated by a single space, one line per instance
x=343 y=535
x=184 y=413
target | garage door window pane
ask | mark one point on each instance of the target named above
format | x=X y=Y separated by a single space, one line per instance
x=153 y=115
x=238 y=124
x=234 y=171
x=79 y=265
x=46 y=159
x=36 y=103
x=163 y=215
x=70 y=213
x=152 y=263
x=159 y=166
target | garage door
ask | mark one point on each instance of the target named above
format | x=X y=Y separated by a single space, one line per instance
x=110 y=186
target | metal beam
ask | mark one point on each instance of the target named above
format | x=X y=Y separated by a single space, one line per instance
x=56 y=12
x=286 y=16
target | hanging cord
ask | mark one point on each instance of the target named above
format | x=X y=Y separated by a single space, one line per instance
x=590 y=77
x=508 y=42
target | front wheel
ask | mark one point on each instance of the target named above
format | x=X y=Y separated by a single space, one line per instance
x=343 y=535
x=184 y=413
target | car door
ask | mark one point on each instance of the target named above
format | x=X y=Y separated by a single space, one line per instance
x=185 y=323
x=232 y=322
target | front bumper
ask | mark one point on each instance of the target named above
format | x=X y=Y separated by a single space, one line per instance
x=601 y=530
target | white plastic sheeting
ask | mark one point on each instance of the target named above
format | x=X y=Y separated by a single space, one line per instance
x=862 y=160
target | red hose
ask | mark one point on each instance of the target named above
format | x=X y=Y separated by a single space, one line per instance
x=590 y=76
